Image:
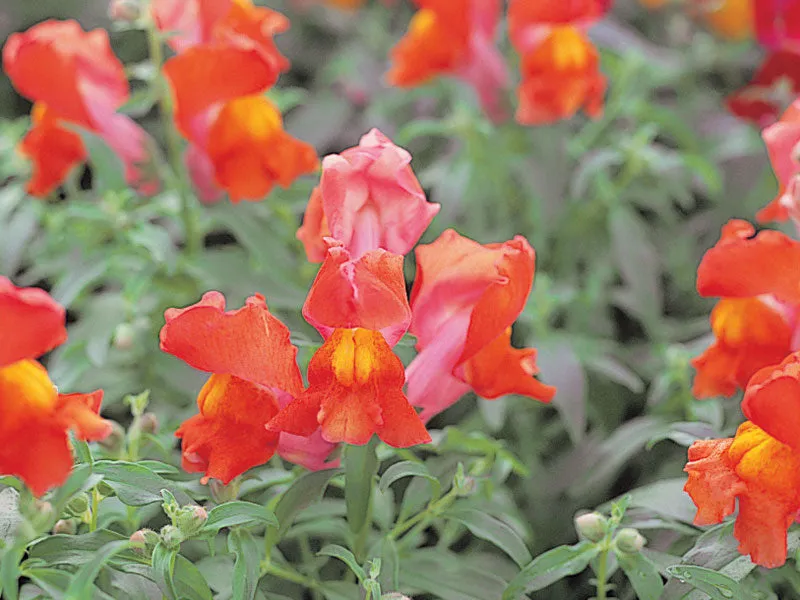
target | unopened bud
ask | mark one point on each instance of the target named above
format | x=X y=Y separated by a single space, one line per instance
x=395 y=596
x=222 y=493
x=190 y=520
x=114 y=441
x=148 y=423
x=629 y=540
x=171 y=536
x=124 y=336
x=144 y=539
x=66 y=527
x=78 y=505
x=124 y=10
x=591 y=526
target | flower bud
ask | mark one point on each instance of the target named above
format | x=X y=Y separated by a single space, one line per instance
x=144 y=539
x=78 y=505
x=395 y=596
x=124 y=336
x=591 y=526
x=115 y=440
x=171 y=537
x=190 y=520
x=127 y=11
x=66 y=527
x=629 y=540
x=148 y=423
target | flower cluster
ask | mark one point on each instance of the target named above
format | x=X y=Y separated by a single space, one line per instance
x=757 y=337
x=560 y=66
x=368 y=211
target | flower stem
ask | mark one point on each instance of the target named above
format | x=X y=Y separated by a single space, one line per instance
x=602 y=574
x=193 y=239
x=421 y=519
x=94 y=509
x=289 y=575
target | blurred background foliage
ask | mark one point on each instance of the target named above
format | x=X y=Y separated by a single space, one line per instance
x=619 y=211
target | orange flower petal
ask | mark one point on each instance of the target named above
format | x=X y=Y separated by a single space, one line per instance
x=369 y=293
x=772 y=401
x=712 y=484
x=314 y=228
x=31 y=323
x=741 y=265
x=79 y=412
x=251 y=152
x=732 y=19
x=355 y=391
x=750 y=336
x=249 y=342
x=498 y=369
x=229 y=436
x=38 y=453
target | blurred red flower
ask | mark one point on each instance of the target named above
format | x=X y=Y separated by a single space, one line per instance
x=774 y=87
x=36 y=418
x=368 y=198
x=465 y=298
x=453 y=37
x=560 y=66
x=783 y=144
x=73 y=78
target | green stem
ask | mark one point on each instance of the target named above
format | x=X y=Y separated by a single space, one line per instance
x=94 y=509
x=602 y=574
x=421 y=519
x=290 y=575
x=194 y=241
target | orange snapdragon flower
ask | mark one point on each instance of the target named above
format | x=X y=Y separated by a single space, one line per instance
x=465 y=298
x=760 y=466
x=453 y=37
x=731 y=19
x=226 y=60
x=254 y=372
x=755 y=323
x=73 y=78
x=560 y=66
x=36 y=418
x=355 y=379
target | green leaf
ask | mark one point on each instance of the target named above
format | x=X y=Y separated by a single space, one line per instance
x=361 y=465
x=492 y=530
x=136 y=485
x=340 y=590
x=246 y=568
x=716 y=585
x=551 y=566
x=408 y=468
x=235 y=513
x=189 y=581
x=107 y=169
x=344 y=555
x=447 y=576
x=62 y=549
x=163 y=569
x=82 y=583
x=642 y=574
x=304 y=492
x=9 y=572
x=53 y=582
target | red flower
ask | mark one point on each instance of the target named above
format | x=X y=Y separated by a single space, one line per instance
x=368 y=199
x=774 y=87
x=355 y=380
x=254 y=372
x=36 y=418
x=73 y=78
x=777 y=23
x=760 y=466
x=227 y=60
x=783 y=144
x=560 y=66
x=465 y=298
x=453 y=37
x=755 y=322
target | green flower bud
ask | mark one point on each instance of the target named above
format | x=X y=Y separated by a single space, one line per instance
x=127 y=11
x=171 y=537
x=190 y=520
x=115 y=440
x=66 y=527
x=629 y=540
x=124 y=336
x=592 y=526
x=148 y=423
x=78 y=505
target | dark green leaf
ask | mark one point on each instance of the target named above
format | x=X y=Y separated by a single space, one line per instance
x=448 y=577
x=346 y=557
x=61 y=549
x=642 y=574
x=246 y=567
x=340 y=590
x=409 y=468
x=716 y=585
x=136 y=485
x=82 y=583
x=235 y=513
x=163 y=569
x=304 y=492
x=9 y=572
x=551 y=566
x=189 y=581
x=492 y=530
x=107 y=168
